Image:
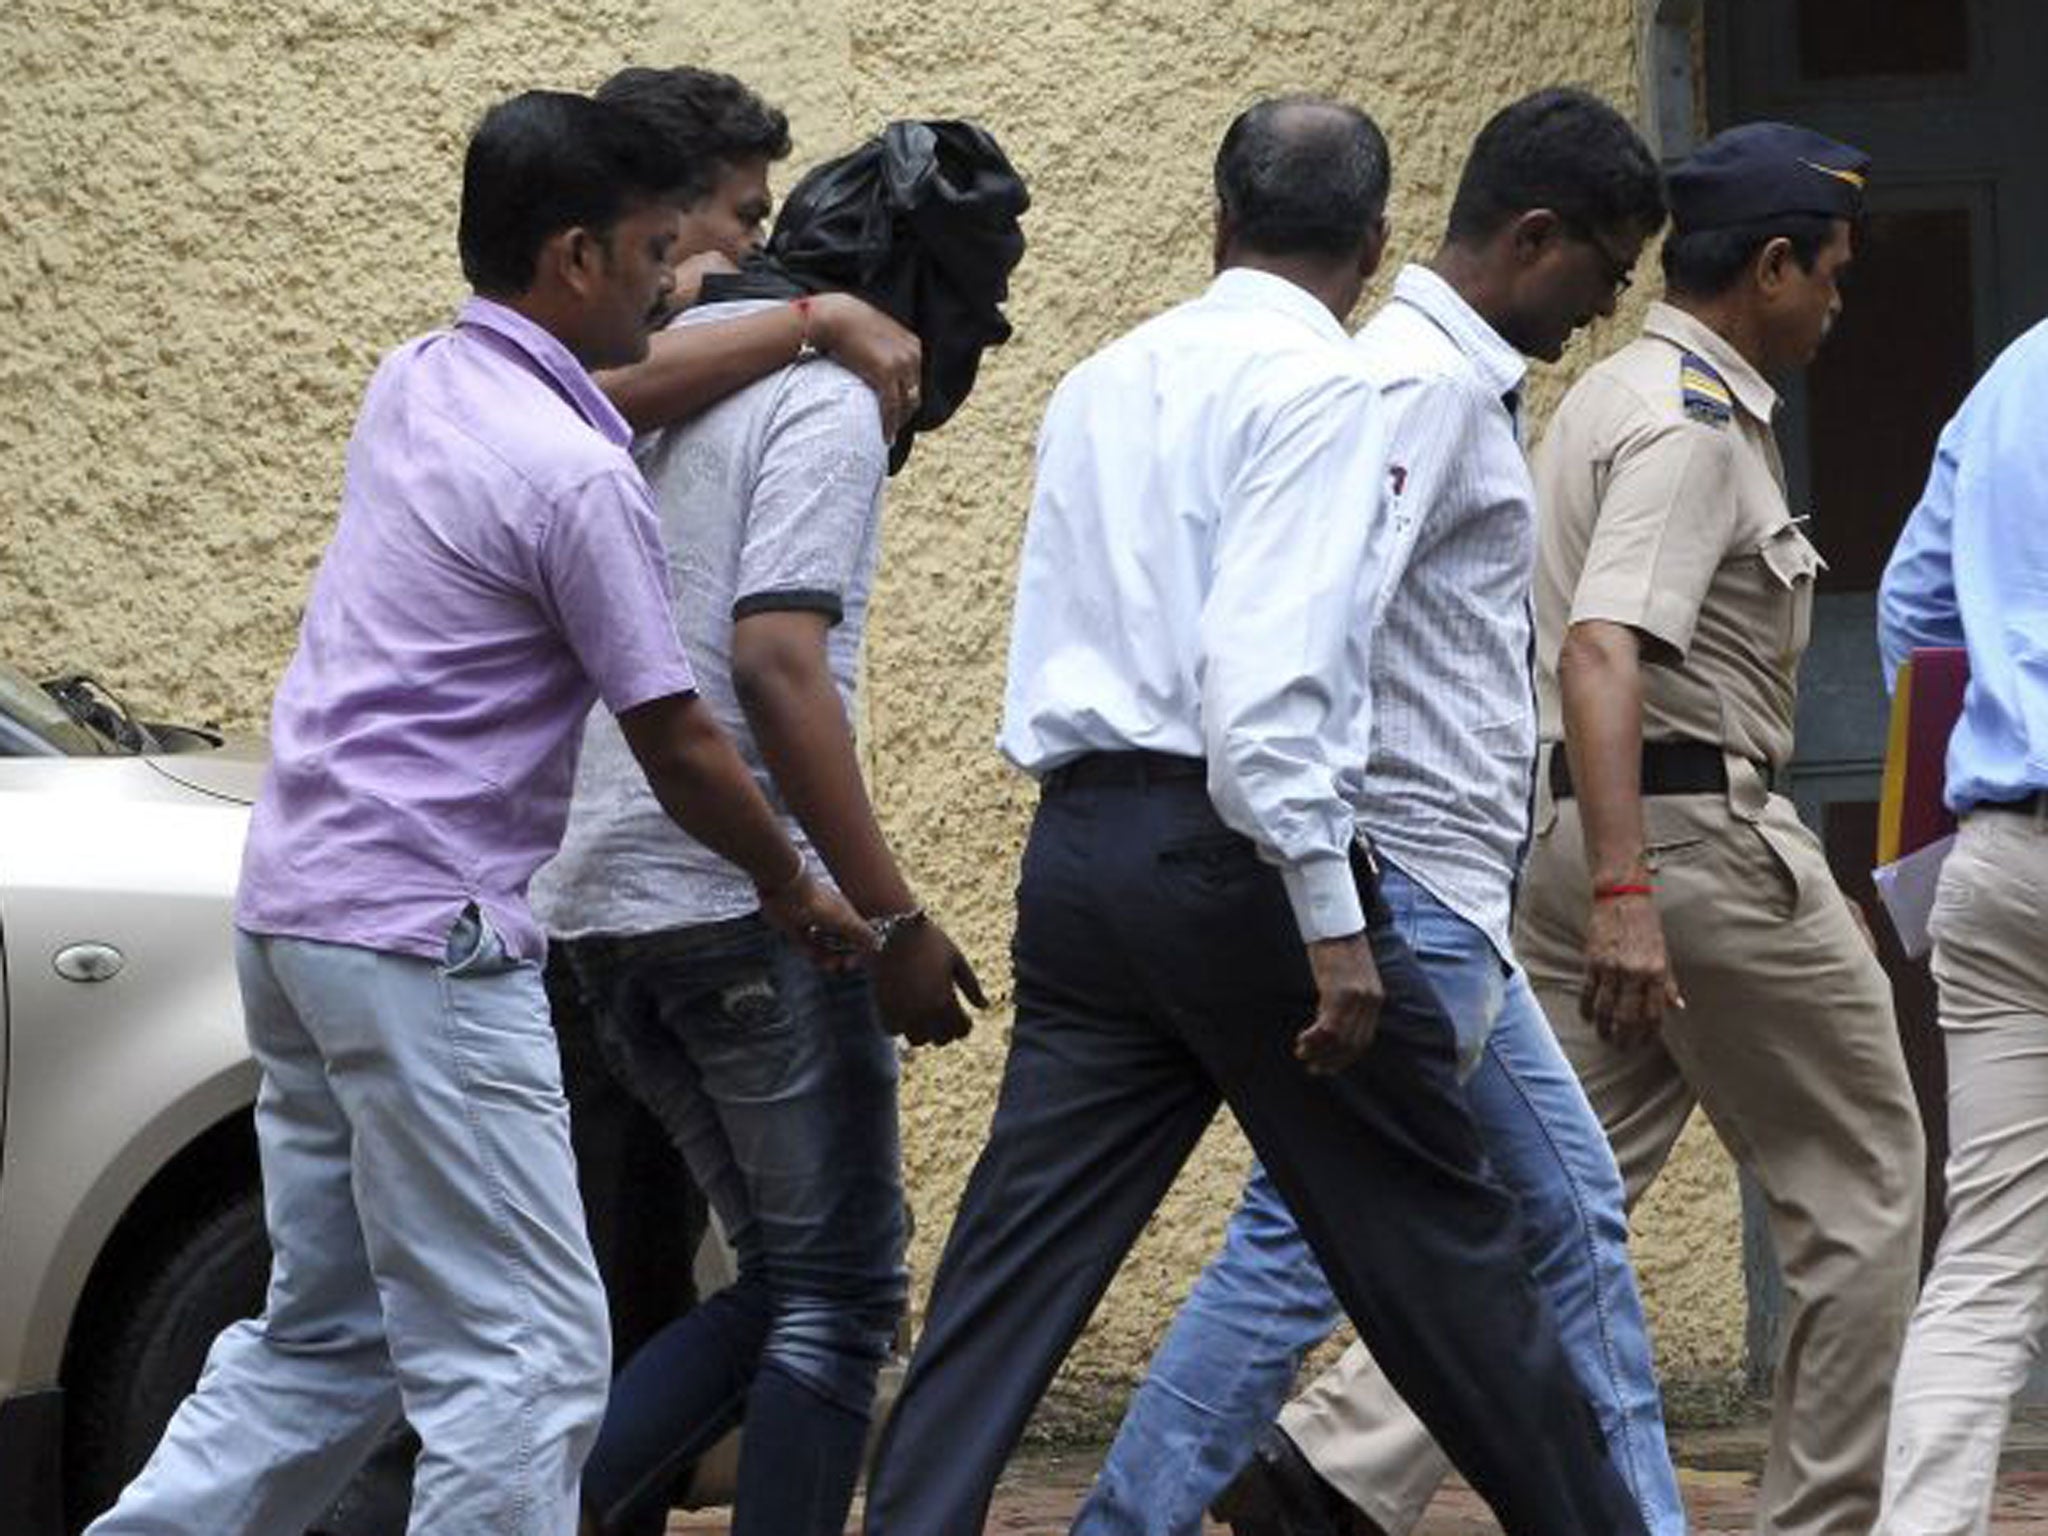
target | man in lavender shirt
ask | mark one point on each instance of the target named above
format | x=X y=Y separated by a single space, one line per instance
x=496 y=568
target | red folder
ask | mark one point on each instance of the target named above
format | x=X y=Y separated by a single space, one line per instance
x=1925 y=707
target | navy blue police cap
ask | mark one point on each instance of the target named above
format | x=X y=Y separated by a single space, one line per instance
x=1762 y=171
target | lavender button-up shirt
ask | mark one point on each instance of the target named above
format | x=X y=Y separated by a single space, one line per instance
x=497 y=567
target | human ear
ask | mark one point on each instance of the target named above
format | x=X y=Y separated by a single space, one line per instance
x=1375 y=248
x=580 y=256
x=1532 y=233
x=1770 y=264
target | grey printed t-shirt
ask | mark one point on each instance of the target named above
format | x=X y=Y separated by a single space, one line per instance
x=772 y=499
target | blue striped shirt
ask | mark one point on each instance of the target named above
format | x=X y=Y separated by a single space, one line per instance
x=1454 y=715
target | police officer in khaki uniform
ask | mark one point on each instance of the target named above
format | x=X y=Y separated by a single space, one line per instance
x=1678 y=921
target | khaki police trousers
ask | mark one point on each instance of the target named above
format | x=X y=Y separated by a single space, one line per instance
x=1789 y=1044
x=1975 y=1334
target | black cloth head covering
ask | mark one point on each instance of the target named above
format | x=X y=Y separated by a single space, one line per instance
x=1762 y=171
x=922 y=222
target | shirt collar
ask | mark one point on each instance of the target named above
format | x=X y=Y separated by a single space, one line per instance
x=1249 y=288
x=1670 y=323
x=1501 y=368
x=553 y=361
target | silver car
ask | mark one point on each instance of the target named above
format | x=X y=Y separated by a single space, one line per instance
x=131 y=1221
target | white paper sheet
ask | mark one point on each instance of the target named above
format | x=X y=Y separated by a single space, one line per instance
x=1907 y=889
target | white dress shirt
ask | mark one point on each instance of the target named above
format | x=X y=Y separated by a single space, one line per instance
x=1454 y=718
x=1206 y=533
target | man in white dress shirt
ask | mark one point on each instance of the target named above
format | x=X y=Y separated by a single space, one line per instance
x=1556 y=200
x=1197 y=920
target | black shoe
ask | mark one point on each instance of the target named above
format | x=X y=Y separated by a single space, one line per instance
x=1279 y=1494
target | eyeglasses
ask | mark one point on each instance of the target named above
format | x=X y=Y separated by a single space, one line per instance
x=1620 y=271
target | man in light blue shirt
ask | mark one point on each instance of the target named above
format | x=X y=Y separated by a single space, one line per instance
x=1971 y=570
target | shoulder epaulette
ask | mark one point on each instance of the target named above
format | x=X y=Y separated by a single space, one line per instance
x=1702 y=392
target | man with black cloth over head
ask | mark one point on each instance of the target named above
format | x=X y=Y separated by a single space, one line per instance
x=778 y=1083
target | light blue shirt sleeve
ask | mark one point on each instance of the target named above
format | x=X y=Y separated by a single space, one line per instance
x=1916 y=603
x=1971 y=569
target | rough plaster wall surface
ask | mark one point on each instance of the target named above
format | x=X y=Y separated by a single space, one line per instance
x=220 y=214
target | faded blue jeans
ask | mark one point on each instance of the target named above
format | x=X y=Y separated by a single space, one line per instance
x=778 y=1084
x=429 y=1256
x=1228 y=1363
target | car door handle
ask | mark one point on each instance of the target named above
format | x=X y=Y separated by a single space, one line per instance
x=89 y=962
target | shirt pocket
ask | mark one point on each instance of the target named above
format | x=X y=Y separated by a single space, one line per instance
x=1791 y=565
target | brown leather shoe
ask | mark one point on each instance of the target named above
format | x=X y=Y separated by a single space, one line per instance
x=1279 y=1494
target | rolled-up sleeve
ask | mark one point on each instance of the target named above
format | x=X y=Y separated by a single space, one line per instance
x=1284 y=644
x=1916 y=600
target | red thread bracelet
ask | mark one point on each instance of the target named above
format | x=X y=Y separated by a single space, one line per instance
x=1609 y=892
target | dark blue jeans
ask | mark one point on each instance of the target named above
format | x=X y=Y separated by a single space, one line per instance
x=1229 y=1360
x=779 y=1086
x=1159 y=972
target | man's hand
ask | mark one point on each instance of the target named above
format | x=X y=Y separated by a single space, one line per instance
x=690 y=274
x=920 y=976
x=819 y=920
x=888 y=358
x=1861 y=919
x=1348 y=999
x=1628 y=982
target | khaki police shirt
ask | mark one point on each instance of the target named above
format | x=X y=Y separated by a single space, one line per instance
x=1661 y=505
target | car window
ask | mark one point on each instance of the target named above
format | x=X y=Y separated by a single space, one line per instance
x=32 y=724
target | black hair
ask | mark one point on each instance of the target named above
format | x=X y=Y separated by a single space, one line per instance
x=1706 y=263
x=543 y=162
x=1303 y=175
x=1561 y=149
x=710 y=121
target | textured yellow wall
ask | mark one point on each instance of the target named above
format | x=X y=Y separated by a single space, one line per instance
x=217 y=215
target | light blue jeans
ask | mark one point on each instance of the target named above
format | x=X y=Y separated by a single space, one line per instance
x=1229 y=1361
x=428 y=1256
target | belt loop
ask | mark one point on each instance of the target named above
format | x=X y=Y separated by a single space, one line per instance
x=1748 y=794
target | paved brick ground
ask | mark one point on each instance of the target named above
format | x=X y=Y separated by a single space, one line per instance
x=1042 y=1489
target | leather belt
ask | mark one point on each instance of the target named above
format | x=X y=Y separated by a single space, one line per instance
x=2034 y=805
x=1134 y=768
x=1669 y=768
